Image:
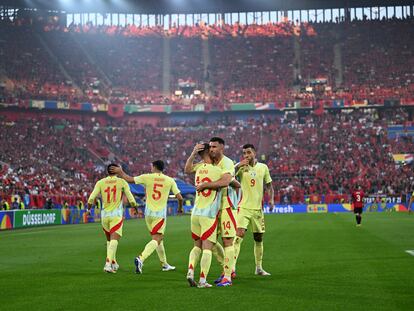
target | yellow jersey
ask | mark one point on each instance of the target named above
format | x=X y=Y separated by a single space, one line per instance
x=111 y=189
x=253 y=179
x=207 y=202
x=157 y=189
x=228 y=194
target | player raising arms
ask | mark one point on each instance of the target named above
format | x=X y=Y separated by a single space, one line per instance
x=357 y=199
x=254 y=178
x=111 y=189
x=227 y=221
x=204 y=215
x=157 y=189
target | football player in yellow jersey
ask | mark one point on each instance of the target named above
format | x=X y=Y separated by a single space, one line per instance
x=157 y=190
x=254 y=178
x=112 y=189
x=204 y=215
x=227 y=220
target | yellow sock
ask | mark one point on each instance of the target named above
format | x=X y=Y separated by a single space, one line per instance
x=228 y=261
x=218 y=252
x=161 y=253
x=205 y=265
x=194 y=256
x=148 y=250
x=258 y=253
x=237 y=245
x=107 y=246
x=111 y=250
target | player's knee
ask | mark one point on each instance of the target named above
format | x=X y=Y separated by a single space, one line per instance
x=207 y=244
x=158 y=238
x=258 y=237
x=227 y=242
x=115 y=236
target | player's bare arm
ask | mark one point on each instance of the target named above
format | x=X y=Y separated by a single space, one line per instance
x=119 y=171
x=189 y=164
x=271 y=192
x=235 y=184
x=180 y=201
x=224 y=181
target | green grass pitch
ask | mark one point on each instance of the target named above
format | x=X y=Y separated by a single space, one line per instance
x=317 y=261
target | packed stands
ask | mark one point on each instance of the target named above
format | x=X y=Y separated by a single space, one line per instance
x=312 y=155
x=245 y=63
x=320 y=153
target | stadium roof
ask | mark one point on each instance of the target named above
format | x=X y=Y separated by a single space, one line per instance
x=191 y=6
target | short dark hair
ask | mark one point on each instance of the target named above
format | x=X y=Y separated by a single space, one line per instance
x=109 y=167
x=217 y=139
x=206 y=148
x=249 y=146
x=159 y=165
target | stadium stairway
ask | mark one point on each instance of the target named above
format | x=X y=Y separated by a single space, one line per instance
x=56 y=59
x=206 y=62
x=337 y=64
x=297 y=60
x=265 y=143
x=166 y=66
x=105 y=81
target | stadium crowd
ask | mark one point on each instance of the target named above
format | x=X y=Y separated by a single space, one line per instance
x=311 y=155
x=249 y=63
x=369 y=61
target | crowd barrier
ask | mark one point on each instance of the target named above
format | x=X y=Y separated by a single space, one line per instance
x=32 y=218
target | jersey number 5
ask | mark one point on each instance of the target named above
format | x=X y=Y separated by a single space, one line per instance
x=108 y=194
x=157 y=194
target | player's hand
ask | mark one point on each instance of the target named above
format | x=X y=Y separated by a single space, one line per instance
x=201 y=186
x=197 y=149
x=116 y=170
x=271 y=205
x=244 y=162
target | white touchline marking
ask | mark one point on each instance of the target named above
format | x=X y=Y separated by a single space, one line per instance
x=411 y=252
